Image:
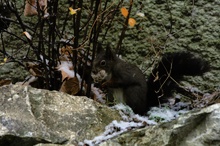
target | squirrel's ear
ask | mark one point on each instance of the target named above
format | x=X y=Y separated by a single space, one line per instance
x=109 y=53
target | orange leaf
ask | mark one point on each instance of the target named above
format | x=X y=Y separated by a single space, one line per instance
x=124 y=12
x=131 y=22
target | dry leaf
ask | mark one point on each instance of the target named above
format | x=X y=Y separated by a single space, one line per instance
x=64 y=75
x=140 y=14
x=5 y=59
x=131 y=22
x=66 y=69
x=31 y=7
x=73 y=11
x=34 y=69
x=4 y=82
x=66 y=53
x=124 y=12
x=35 y=72
x=27 y=35
x=70 y=86
x=156 y=77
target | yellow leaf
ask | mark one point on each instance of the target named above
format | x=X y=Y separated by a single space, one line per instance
x=5 y=59
x=73 y=11
x=131 y=22
x=124 y=12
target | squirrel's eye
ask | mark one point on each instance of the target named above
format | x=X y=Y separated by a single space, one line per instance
x=103 y=63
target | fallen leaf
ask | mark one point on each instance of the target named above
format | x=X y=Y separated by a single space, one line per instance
x=70 y=86
x=64 y=75
x=4 y=82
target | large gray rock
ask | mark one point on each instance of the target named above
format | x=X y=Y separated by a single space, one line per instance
x=197 y=128
x=30 y=116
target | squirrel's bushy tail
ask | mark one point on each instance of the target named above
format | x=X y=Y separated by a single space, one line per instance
x=170 y=70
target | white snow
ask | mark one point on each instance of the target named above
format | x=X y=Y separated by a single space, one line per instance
x=130 y=121
x=133 y=121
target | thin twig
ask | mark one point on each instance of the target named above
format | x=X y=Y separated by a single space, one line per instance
x=118 y=48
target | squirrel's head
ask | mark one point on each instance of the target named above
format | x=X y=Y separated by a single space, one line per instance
x=102 y=64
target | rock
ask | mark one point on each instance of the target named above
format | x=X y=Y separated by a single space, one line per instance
x=29 y=116
x=197 y=128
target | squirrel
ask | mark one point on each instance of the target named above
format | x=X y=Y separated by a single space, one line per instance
x=127 y=83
